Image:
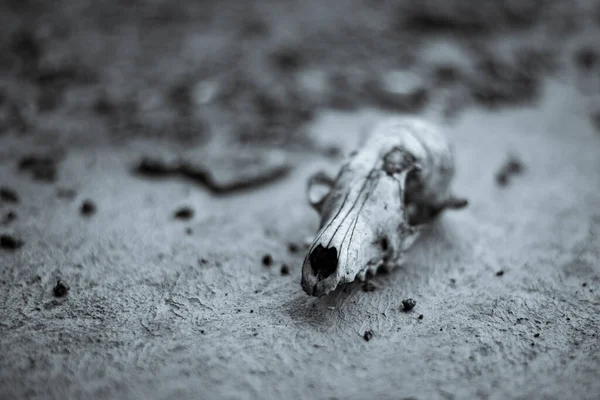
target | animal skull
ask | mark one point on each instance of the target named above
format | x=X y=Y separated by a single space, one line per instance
x=373 y=211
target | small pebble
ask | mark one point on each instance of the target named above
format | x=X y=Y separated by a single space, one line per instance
x=188 y=231
x=10 y=242
x=285 y=270
x=293 y=248
x=88 y=208
x=421 y=316
x=500 y=273
x=368 y=335
x=267 y=260
x=8 y=195
x=184 y=213
x=536 y=335
x=61 y=289
x=409 y=304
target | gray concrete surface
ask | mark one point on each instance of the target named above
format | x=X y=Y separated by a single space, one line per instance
x=155 y=313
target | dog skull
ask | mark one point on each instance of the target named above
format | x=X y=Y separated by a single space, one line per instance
x=372 y=212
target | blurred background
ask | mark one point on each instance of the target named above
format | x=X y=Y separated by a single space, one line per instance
x=259 y=71
x=153 y=217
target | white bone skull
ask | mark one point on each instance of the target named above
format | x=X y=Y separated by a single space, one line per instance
x=372 y=212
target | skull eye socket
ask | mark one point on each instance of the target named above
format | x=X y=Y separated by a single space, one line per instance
x=397 y=160
x=323 y=261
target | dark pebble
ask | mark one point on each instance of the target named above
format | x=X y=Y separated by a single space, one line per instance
x=409 y=304
x=285 y=270
x=421 y=316
x=293 y=248
x=88 y=208
x=500 y=273
x=536 y=335
x=8 y=195
x=584 y=284
x=267 y=260
x=184 y=213
x=61 y=289
x=368 y=286
x=368 y=335
x=9 y=242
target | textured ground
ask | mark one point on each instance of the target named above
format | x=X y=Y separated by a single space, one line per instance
x=160 y=307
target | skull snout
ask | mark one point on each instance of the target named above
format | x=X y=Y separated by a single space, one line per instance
x=319 y=265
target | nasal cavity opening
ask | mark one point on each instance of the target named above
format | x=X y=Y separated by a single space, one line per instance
x=323 y=261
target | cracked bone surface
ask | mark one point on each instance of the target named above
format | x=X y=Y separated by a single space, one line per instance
x=372 y=212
